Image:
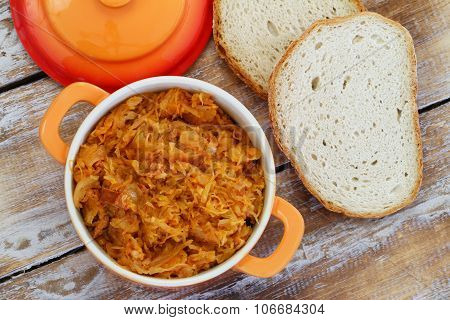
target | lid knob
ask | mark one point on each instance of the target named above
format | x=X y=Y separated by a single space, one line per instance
x=114 y=3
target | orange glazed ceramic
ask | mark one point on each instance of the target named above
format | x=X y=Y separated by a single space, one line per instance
x=111 y=43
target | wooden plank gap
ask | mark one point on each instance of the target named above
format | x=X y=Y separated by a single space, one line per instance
x=434 y=105
x=31 y=268
x=283 y=167
x=24 y=81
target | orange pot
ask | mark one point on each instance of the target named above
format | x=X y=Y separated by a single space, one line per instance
x=241 y=261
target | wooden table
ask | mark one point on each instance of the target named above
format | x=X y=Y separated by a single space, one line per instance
x=406 y=255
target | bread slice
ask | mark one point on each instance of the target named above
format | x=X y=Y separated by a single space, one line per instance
x=343 y=107
x=252 y=35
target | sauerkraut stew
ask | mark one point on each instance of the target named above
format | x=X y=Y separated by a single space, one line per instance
x=168 y=185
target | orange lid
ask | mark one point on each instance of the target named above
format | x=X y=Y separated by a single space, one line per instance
x=112 y=42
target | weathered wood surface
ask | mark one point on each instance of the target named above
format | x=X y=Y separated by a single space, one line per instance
x=405 y=255
x=15 y=64
x=427 y=20
x=34 y=223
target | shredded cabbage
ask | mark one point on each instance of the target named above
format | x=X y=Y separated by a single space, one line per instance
x=168 y=185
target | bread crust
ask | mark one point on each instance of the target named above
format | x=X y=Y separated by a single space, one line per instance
x=413 y=76
x=225 y=52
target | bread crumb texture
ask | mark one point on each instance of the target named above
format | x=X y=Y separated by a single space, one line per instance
x=345 y=112
x=254 y=34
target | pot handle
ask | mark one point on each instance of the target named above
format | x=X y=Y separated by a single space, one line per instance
x=49 y=128
x=294 y=228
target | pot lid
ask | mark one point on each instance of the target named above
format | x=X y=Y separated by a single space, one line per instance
x=111 y=43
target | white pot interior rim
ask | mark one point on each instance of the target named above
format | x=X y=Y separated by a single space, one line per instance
x=231 y=106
